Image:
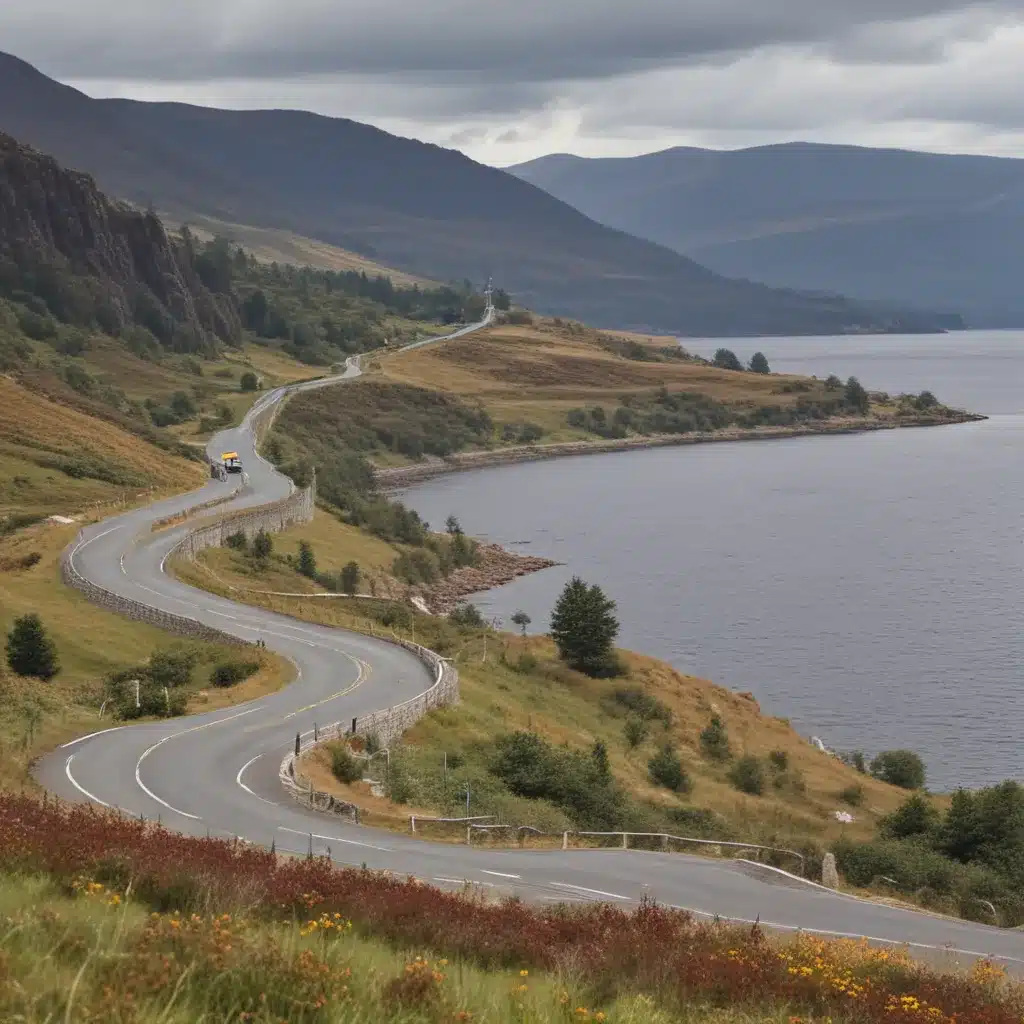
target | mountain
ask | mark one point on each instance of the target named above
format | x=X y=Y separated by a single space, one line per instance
x=418 y=207
x=69 y=251
x=930 y=230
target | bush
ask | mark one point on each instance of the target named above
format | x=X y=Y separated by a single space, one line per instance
x=344 y=766
x=914 y=818
x=855 y=759
x=667 y=770
x=466 y=616
x=262 y=545
x=30 y=651
x=307 y=559
x=237 y=541
x=171 y=667
x=249 y=381
x=901 y=768
x=393 y=615
x=748 y=775
x=758 y=363
x=779 y=760
x=348 y=579
x=525 y=664
x=852 y=795
x=725 y=359
x=714 y=740
x=636 y=730
x=227 y=673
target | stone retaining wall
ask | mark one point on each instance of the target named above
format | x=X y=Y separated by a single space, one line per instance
x=386 y=725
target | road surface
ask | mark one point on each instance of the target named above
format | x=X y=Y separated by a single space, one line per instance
x=217 y=773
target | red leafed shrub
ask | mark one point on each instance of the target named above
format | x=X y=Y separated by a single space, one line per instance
x=651 y=949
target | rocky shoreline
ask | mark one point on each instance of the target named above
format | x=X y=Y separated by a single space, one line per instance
x=495 y=567
x=395 y=478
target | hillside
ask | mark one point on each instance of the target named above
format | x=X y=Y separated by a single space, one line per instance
x=425 y=210
x=933 y=230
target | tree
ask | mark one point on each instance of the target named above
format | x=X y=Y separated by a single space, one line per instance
x=855 y=396
x=714 y=740
x=350 y=577
x=725 y=359
x=30 y=652
x=833 y=383
x=914 y=817
x=901 y=768
x=452 y=526
x=249 y=381
x=759 y=364
x=522 y=620
x=501 y=299
x=262 y=545
x=307 y=559
x=667 y=770
x=467 y=616
x=584 y=628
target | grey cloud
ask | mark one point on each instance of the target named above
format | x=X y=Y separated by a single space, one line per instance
x=445 y=42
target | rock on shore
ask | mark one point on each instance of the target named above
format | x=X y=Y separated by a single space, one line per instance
x=495 y=567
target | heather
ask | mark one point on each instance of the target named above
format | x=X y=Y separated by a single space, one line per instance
x=220 y=930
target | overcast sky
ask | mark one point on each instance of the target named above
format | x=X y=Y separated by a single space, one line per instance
x=511 y=81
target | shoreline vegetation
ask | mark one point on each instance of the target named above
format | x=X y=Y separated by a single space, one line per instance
x=394 y=478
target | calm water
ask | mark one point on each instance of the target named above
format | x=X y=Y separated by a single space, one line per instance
x=868 y=587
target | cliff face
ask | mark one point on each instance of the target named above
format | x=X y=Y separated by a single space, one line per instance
x=97 y=262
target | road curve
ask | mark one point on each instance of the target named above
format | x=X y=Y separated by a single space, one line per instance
x=217 y=773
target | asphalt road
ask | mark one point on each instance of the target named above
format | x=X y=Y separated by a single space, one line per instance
x=218 y=773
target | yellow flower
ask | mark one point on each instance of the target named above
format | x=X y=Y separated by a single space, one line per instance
x=524 y=974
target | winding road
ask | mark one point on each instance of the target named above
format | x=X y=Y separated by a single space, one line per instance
x=217 y=773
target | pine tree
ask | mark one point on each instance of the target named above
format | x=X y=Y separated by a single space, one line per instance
x=759 y=364
x=350 y=577
x=262 y=545
x=307 y=560
x=584 y=628
x=30 y=652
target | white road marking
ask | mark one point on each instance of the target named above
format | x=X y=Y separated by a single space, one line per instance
x=592 y=892
x=81 y=789
x=82 y=739
x=238 y=779
x=335 y=839
x=499 y=874
x=844 y=935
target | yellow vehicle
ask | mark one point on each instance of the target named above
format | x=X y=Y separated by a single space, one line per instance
x=231 y=462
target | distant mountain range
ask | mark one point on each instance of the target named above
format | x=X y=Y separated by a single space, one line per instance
x=417 y=207
x=923 y=229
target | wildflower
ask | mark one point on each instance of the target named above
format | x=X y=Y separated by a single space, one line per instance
x=524 y=974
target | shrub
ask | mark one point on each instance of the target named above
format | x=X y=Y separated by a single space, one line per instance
x=466 y=616
x=642 y=704
x=344 y=766
x=238 y=541
x=855 y=759
x=307 y=559
x=227 y=673
x=393 y=615
x=667 y=770
x=914 y=818
x=262 y=545
x=249 y=381
x=30 y=651
x=636 y=731
x=714 y=740
x=525 y=664
x=748 y=775
x=725 y=359
x=901 y=768
x=852 y=795
x=171 y=667
x=349 y=578
x=779 y=760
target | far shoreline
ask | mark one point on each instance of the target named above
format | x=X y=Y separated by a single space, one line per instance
x=398 y=478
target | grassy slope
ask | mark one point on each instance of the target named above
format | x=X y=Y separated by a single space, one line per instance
x=538 y=373
x=566 y=707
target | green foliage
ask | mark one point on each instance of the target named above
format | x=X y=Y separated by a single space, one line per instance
x=344 y=767
x=667 y=770
x=30 y=651
x=855 y=396
x=759 y=364
x=925 y=401
x=227 y=673
x=636 y=730
x=466 y=616
x=852 y=795
x=249 y=381
x=901 y=768
x=779 y=760
x=748 y=775
x=915 y=817
x=307 y=560
x=171 y=666
x=833 y=383
x=579 y=782
x=238 y=541
x=725 y=359
x=262 y=545
x=522 y=620
x=584 y=629
x=349 y=578
x=642 y=704
x=714 y=740
x=856 y=759
x=416 y=567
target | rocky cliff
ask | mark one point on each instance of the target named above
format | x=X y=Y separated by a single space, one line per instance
x=70 y=253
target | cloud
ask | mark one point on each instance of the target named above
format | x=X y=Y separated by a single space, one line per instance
x=506 y=82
